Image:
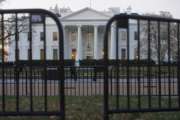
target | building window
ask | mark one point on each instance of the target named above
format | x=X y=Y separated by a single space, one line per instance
x=73 y=55
x=55 y=36
x=123 y=53
x=5 y=53
x=124 y=35
x=73 y=40
x=29 y=54
x=135 y=53
x=17 y=52
x=41 y=54
x=135 y=35
x=36 y=18
x=28 y=36
x=1 y=55
x=55 y=54
x=41 y=36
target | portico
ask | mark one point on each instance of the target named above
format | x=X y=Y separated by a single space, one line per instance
x=85 y=40
x=87 y=34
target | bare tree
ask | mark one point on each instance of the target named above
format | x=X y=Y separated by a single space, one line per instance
x=13 y=25
x=10 y=26
x=164 y=43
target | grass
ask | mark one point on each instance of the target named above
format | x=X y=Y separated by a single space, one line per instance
x=84 y=108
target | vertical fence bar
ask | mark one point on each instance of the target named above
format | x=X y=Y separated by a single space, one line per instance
x=45 y=63
x=106 y=75
x=128 y=53
x=95 y=79
x=30 y=62
x=2 y=58
x=149 y=65
x=159 y=66
x=169 y=67
x=86 y=80
x=79 y=82
x=111 y=82
x=61 y=70
x=17 y=61
x=139 y=66
x=178 y=65
x=91 y=79
x=72 y=70
x=117 y=64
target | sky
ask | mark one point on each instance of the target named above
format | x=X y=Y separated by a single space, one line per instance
x=140 y=6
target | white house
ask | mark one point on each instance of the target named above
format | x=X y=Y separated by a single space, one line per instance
x=84 y=35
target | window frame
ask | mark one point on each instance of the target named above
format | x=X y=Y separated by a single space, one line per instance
x=42 y=57
x=41 y=36
x=53 y=57
x=123 y=35
x=55 y=36
x=123 y=53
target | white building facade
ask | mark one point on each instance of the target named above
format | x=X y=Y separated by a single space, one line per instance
x=83 y=38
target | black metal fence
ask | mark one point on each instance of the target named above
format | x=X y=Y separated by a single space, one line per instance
x=149 y=87
x=79 y=81
x=18 y=82
x=146 y=81
x=89 y=80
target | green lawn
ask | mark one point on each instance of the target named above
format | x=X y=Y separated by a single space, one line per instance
x=83 y=108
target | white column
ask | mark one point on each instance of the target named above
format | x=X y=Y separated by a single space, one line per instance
x=79 y=45
x=113 y=43
x=65 y=42
x=95 y=42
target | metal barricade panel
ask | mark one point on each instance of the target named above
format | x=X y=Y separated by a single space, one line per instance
x=146 y=65
x=25 y=85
